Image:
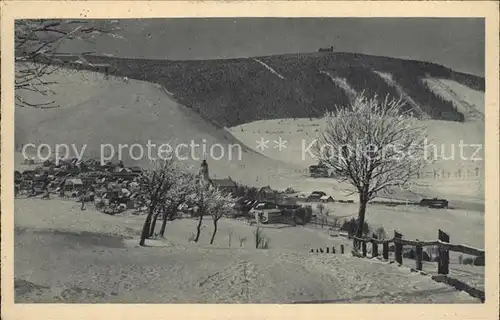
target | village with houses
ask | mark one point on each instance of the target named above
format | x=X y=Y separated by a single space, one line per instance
x=113 y=188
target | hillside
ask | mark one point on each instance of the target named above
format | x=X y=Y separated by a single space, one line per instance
x=235 y=91
x=94 y=111
x=67 y=255
x=97 y=109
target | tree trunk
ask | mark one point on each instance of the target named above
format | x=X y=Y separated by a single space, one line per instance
x=153 y=224
x=145 y=228
x=198 y=228
x=215 y=231
x=164 y=224
x=363 y=200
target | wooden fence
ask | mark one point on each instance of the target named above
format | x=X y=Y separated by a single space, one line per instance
x=444 y=247
x=327 y=250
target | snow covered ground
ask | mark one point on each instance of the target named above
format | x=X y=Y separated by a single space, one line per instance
x=67 y=255
x=458 y=178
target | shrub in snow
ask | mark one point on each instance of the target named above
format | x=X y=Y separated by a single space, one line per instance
x=433 y=253
x=191 y=237
x=351 y=226
x=476 y=261
x=479 y=261
x=380 y=233
x=261 y=241
x=410 y=253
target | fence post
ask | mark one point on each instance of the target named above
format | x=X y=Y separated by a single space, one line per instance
x=327 y=250
x=374 y=246
x=444 y=254
x=342 y=249
x=363 y=248
x=418 y=256
x=385 y=250
x=398 y=248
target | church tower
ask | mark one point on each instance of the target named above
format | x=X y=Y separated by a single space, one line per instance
x=204 y=171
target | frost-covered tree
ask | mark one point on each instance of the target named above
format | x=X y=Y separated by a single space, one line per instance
x=155 y=183
x=209 y=200
x=374 y=146
x=36 y=44
x=177 y=195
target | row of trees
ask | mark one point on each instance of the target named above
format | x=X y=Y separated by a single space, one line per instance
x=166 y=185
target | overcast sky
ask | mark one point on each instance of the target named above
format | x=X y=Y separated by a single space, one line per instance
x=457 y=43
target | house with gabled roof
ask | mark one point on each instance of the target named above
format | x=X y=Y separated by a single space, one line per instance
x=225 y=184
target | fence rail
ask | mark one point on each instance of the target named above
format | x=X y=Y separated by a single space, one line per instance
x=444 y=247
x=462 y=248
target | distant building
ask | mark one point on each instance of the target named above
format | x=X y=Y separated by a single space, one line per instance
x=316 y=196
x=326 y=199
x=267 y=194
x=73 y=184
x=319 y=171
x=326 y=49
x=226 y=185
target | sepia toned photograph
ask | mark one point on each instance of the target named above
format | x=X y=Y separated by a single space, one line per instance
x=249 y=160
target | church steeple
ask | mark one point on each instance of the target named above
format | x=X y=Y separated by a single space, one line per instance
x=204 y=171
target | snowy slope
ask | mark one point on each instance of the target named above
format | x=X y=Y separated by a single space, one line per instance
x=468 y=101
x=107 y=269
x=444 y=137
x=95 y=111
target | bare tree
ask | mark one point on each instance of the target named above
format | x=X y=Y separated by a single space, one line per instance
x=36 y=45
x=374 y=146
x=155 y=183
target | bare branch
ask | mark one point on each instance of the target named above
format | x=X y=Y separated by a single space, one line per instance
x=36 y=42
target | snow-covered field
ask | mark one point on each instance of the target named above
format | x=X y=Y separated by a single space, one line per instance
x=415 y=222
x=459 y=178
x=64 y=254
